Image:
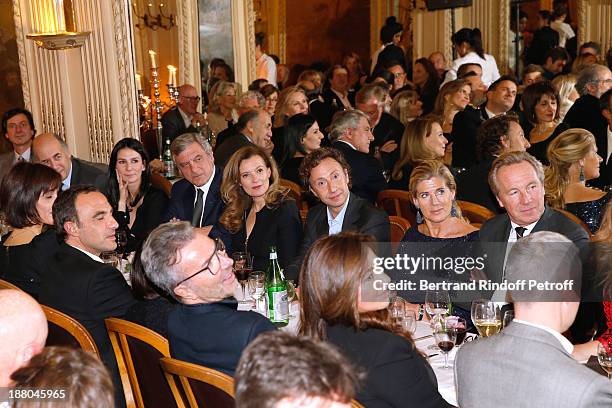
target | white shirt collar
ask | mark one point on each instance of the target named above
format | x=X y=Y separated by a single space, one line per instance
x=344 y=141
x=609 y=145
x=489 y=113
x=565 y=343
x=26 y=155
x=66 y=181
x=528 y=228
x=186 y=117
x=89 y=254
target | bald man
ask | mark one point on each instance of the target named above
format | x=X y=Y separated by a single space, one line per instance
x=184 y=117
x=23 y=332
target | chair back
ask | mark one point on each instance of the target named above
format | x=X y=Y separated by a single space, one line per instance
x=578 y=221
x=7 y=285
x=399 y=226
x=66 y=331
x=356 y=404
x=475 y=213
x=397 y=202
x=295 y=192
x=161 y=182
x=198 y=386
x=138 y=350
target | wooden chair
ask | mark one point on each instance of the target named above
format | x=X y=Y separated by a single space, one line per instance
x=475 y=213
x=578 y=221
x=66 y=331
x=138 y=350
x=397 y=202
x=199 y=386
x=399 y=226
x=7 y=285
x=356 y=404
x=295 y=192
x=161 y=182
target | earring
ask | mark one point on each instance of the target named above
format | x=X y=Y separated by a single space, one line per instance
x=419 y=216
x=454 y=209
x=581 y=176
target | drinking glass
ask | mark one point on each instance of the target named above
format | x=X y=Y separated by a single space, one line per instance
x=122 y=240
x=445 y=337
x=397 y=309
x=437 y=304
x=242 y=269
x=257 y=288
x=459 y=325
x=604 y=356
x=408 y=321
x=486 y=317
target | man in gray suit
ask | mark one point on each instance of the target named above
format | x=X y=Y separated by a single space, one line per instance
x=530 y=364
x=18 y=129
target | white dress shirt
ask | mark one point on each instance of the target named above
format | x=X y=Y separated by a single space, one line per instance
x=490 y=73
x=25 y=155
x=335 y=224
x=205 y=188
x=89 y=254
x=565 y=343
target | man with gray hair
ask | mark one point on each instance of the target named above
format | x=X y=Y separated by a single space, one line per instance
x=593 y=81
x=205 y=328
x=184 y=117
x=254 y=128
x=530 y=362
x=196 y=198
x=351 y=134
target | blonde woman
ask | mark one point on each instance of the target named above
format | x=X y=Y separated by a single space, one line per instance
x=259 y=212
x=453 y=97
x=221 y=111
x=573 y=161
x=565 y=85
x=406 y=106
x=291 y=101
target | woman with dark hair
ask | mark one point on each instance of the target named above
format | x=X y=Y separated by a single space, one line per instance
x=27 y=194
x=270 y=93
x=258 y=212
x=468 y=44
x=425 y=77
x=390 y=37
x=339 y=304
x=302 y=136
x=138 y=206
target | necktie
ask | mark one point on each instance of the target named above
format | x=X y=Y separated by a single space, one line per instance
x=20 y=158
x=520 y=231
x=197 y=210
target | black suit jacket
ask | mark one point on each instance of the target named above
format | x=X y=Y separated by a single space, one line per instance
x=324 y=110
x=388 y=128
x=224 y=152
x=366 y=172
x=174 y=125
x=226 y=134
x=360 y=216
x=86 y=173
x=213 y=334
x=396 y=374
x=494 y=233
x=182 y=201
x=585 y=114
x=463 y=136
x=543 y=40
x=473 y=186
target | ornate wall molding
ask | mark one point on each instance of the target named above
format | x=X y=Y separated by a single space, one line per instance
x=189 y=42
x=23 y=69
x=243 y=38
x=502 y=35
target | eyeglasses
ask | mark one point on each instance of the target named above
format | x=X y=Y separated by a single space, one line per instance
x=605 y=81
x=219 y=248
x=399 y=74
x=191 y=98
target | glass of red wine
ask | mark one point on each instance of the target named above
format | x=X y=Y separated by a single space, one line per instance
x=242 y=268
x=459 y=325
x=445 y=336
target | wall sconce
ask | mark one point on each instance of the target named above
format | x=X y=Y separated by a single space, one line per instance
x=57 y=30
x=154 y=22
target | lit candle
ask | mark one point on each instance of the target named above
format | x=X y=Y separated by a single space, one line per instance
x=174 y=76
x=152 y=55
x=138 y=83
x=170 y=70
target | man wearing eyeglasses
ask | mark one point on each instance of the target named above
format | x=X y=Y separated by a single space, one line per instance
x=184 y=117
x=593 y=81
x=205 y=328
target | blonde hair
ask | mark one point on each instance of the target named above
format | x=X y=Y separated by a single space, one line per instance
x=448 y=88
x=428 y=169
x=400 y=104
x=280 y=114
x=564 y=84
x=413 y=148
x=218 y=90
x=232 y=193
x=565 y=150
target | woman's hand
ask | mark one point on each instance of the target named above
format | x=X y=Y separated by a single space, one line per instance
x=388 y=147
x=123 y=193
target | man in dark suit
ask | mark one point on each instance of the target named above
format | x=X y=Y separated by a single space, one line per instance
x=496 y=136
x=76 y=281
x=326 y=173
x=52 y=151
x=554 y=62
x=351 y=134
x=183 y=118
x=500 y=99
x=18 y=129
x=335 y=97
x=605 y=167
x=205 y=328
x=197 y=197
x=544 y=38
x=248 y=101
x=255 y=128
x=593 y=81
x=387 y=130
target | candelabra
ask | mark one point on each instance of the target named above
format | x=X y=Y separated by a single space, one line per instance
x=173 y=94
x=157 y=105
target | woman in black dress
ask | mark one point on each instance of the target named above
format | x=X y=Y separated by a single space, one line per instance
x=138 y=206
x=425 y=77
x=259 y=212
x=302 y=136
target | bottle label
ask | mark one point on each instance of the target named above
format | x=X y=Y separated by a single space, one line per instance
x=279 y=307
x=273 y=255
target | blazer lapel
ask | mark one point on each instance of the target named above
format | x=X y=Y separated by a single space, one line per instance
x=188 y=202
x=213 y=199
x=542 y=224
x=321 y=224
x=351 y=217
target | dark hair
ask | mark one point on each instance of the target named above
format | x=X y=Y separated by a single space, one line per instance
x=390 y=28
x=501 y=79
x=464 y=70
x=268 y=89
x=330 y=72
x=556 y=53
x=259 y=38
x=64 y=207
x=257 y=84
x=604 y=100
x=384 y=74
x=279 y=365
x=113 y=184
x=546 y=16
x=471 y=36
x=488 y=144
x=20 y=190
x=560 y=9
x=247 y=117
x=532 y=96
x=315 y=158
x=531 y=68
x=216 y=62
x=14 y=112
x=590 y=44
x=274 y=58
x=433 y=81
x=296 y=129
x=229 y=72
x=80 y=374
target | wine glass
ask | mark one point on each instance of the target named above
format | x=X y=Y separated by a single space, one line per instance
x=486 y=317
x=460 y=326
x=242 y=269
x=122 y=240
x=437 y=304
x=408 y=321
x=397 y=309
x=604 y=356
x=257 y=288
x=445 y=337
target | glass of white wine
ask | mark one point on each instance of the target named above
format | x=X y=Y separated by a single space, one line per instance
x=486 y=317
x=604 y=356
